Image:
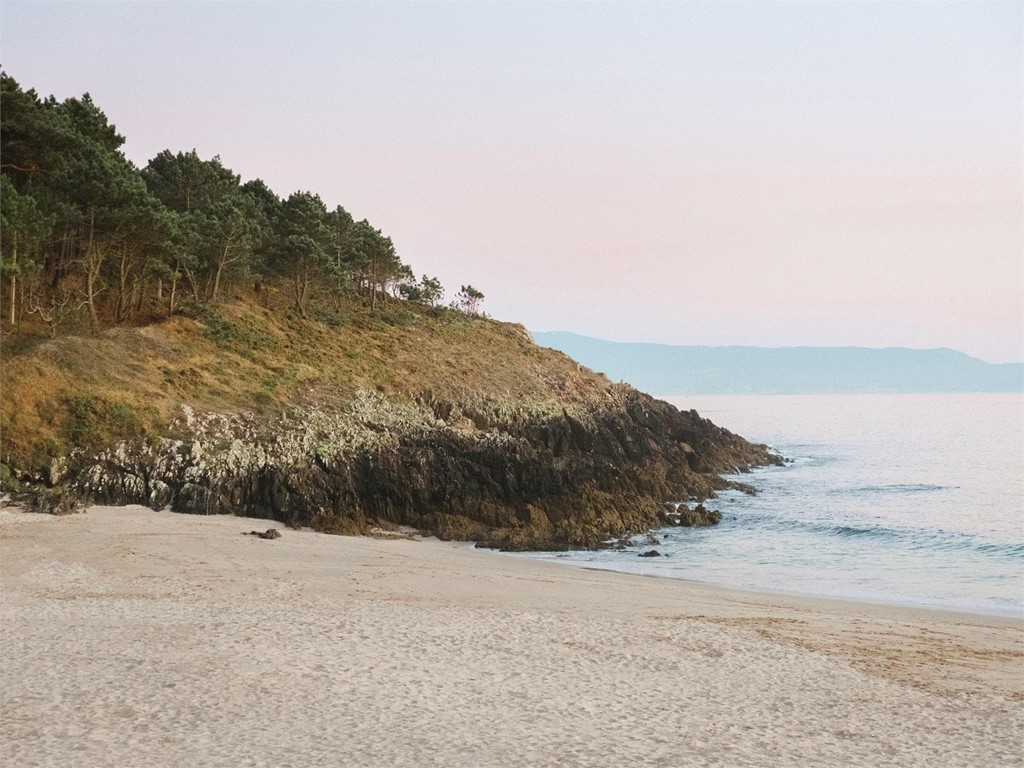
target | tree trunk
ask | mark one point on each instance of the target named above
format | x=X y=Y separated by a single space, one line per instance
x=193 y=284
x=14 y=281
x=174 y=290
x=222 y=263
x=120 y=306
x=90 y=299
x=92 y=264
x=138 y=296
x=299 y=287
x=216 y=282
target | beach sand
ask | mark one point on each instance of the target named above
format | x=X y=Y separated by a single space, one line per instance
x=139 y=638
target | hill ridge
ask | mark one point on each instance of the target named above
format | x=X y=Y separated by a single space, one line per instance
x=746 y=369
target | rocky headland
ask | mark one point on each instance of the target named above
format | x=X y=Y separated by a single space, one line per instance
x=362 y=427
x=177 y=337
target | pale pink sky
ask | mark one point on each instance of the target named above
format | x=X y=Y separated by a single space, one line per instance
x=693 y=173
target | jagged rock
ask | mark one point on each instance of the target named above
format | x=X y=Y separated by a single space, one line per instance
x=529 y=476
x=54 y=503
x=160 y=495
x=270 y=533
x=650 y=553
x=699 y=517
x=58 y=470
x=619 y=545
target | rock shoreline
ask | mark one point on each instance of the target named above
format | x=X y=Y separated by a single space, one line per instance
x=534 y=476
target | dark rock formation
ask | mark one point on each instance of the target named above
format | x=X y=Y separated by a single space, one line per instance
x=650 y=553
x=270 y=533
x=699 y=516
x=54 y=502
x=509 y=475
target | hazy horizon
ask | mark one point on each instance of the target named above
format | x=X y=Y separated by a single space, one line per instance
x=756 y=174
x=546 y=331
x=668 y=369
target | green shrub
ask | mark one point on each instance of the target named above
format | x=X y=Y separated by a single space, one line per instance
x=93 y=422
x=216 y=327
x=394 y=315
x=8 y=482
x=329 y=318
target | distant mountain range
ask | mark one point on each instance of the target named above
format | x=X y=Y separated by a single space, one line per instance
x=682 y=370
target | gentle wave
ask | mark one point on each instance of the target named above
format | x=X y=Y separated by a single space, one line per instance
x=850 y=530
x=939 y=540
x=875 y=500
x=898 y=488
x=932 y=540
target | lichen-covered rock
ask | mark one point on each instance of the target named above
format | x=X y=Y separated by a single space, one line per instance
x=52 y=502
x=538 y=475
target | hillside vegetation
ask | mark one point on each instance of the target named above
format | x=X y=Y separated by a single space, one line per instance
x=178 y=338
x=457 y=425
x=90 y=240
x=253 y=354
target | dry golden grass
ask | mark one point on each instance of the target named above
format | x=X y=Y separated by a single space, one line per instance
x=253 y=354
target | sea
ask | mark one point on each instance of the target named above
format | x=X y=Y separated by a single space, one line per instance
x=910 y=499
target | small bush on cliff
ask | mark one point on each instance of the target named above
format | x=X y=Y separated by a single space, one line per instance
x=93 y=422
x=216 y=327
x=468 y=300
x=8 y=482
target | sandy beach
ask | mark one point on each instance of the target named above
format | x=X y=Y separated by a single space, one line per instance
x=133 y=637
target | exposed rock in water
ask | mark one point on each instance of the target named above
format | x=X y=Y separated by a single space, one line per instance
x=699 y=517
x=650 y=553
x=541 y=475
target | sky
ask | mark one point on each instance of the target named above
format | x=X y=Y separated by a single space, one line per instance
x=711 y=173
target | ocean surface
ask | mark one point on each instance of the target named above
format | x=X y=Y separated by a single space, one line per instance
x=908 y=499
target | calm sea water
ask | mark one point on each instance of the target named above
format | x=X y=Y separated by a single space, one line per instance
x=911 y=499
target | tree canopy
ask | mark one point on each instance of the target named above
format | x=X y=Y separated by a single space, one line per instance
x=88 y=235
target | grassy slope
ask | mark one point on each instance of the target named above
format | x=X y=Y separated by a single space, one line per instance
x=253 y=354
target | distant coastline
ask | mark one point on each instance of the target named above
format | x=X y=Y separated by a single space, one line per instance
x=668 y=369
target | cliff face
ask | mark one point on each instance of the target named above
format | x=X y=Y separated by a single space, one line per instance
x=535 y=453
x=488 y=472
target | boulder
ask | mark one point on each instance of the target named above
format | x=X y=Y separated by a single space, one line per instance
x=698 y=517
x=270 y=533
